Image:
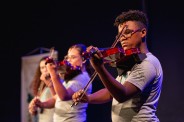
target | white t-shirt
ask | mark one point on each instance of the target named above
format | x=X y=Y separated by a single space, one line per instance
x=147 y=76
x=63 y=110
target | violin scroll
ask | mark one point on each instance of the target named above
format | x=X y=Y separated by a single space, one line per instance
x=49 y=60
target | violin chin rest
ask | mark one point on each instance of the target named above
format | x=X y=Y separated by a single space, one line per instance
x=127 y=62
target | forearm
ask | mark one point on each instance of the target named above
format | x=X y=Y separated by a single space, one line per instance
x=49 y=103
x=101 y=96
x=52 y=90
x=116 y=89
x=60 y=90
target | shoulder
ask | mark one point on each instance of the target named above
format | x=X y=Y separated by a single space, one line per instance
x=148 y=69
x=83 y=75
x=152 y=59
x=151 y=63
x=80 y=78
x=79 y=81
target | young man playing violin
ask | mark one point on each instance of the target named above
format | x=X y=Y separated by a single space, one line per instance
x=135 y=93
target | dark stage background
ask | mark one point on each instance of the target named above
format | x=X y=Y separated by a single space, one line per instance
x=30 y=24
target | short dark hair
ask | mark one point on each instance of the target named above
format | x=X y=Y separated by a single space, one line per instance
x=132 y=15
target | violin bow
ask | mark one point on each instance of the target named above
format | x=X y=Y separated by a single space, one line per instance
x=95 y=73
x=51 y=52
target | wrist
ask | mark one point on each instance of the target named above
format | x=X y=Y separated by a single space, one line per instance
x=42 y=105
x=88 y=98
x=50 y=84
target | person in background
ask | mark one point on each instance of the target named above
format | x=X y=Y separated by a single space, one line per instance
x=43 y=89
x=135 y=93
x=65 y=88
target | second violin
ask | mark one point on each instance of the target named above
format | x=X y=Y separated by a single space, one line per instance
x=65 y=70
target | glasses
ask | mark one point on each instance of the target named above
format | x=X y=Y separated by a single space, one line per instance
x=127 y=33
x=70 y=57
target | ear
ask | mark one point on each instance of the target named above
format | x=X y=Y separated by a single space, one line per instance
x=83 y=60
x=144 y=32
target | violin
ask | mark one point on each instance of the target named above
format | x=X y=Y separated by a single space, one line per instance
x=108 y=54
x=65 y=70
x=123 y=60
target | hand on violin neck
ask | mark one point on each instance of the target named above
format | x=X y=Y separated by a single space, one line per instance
x=94 y=51
x=44 y=77
x=52 y=69
x=96 y=58
x=49 y=60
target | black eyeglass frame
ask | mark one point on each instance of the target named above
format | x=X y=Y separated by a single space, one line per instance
x=129 y=34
